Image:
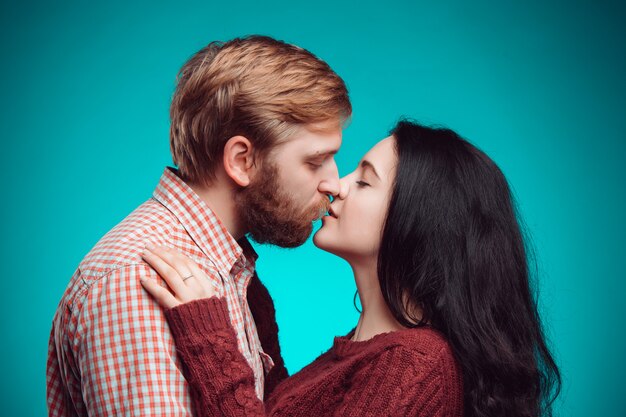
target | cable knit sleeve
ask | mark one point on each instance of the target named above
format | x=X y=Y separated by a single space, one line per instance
x=404 y=382
x=221 y=382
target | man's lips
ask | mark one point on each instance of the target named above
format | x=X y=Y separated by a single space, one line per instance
x=322 y=209
x=320 y=214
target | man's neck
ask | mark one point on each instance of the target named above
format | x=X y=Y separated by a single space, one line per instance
x=219 y=197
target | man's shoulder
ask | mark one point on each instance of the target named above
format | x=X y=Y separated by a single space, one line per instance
x=123 y=245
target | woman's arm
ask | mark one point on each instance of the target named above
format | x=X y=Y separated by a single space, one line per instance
x=221 y=382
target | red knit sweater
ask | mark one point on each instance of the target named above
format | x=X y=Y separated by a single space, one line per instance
x=404 y=373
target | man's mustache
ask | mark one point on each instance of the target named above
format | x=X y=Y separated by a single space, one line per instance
x=322 y=208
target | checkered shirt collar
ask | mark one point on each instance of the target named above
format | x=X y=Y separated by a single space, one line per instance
x=202 y=224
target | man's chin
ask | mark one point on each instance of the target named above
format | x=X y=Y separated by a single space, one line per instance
x=286 y=240
x=288 y=244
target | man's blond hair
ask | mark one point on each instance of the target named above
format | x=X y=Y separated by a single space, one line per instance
x=257 y=87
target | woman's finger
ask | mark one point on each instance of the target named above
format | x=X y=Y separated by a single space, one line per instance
x=200 y=284
x=196 y=281
x=181 y=273
x=160 y=294
x=166 y=271
x=174 y=258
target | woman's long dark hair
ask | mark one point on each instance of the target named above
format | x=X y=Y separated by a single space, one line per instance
x=453 y=222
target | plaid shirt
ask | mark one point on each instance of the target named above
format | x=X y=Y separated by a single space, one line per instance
x=110 y=350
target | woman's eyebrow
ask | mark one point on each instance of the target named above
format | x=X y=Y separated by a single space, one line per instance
x=367 y=164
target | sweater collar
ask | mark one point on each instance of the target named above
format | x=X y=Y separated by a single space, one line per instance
x=343 y=346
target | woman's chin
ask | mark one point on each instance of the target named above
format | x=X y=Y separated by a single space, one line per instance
x=319 y=238
x=326 y=242
x=323 y=239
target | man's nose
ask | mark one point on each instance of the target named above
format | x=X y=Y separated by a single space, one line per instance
x=330 y=183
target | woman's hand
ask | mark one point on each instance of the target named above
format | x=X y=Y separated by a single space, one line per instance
x=183 y=276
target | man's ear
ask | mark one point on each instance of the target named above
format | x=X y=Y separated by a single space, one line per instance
x=239 y=160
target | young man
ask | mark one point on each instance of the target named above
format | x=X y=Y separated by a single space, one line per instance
x=255 y=124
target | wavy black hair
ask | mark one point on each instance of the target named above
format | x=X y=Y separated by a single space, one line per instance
x=453 y=221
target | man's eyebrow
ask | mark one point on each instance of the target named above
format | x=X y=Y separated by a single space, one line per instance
x=318 y=154
x=367 y=164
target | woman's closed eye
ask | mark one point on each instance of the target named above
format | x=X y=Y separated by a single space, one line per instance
x=362 y=183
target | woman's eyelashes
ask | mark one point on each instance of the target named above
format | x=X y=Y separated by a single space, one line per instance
x=362 y=184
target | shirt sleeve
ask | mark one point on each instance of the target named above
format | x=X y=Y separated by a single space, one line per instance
x=62 y=384
x=124 y=351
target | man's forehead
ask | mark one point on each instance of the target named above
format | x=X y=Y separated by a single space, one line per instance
x=327 y=143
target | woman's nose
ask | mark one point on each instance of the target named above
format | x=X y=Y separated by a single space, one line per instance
x=344 y=188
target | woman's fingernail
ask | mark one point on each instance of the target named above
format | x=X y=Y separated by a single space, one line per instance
x=150 y=246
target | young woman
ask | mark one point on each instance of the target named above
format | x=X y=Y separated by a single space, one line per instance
x=449 y=325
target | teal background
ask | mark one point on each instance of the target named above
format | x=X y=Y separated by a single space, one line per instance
x=540 y=86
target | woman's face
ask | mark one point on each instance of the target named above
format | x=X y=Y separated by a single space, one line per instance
x=353 y=228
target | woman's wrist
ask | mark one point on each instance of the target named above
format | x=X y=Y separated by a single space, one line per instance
x=201 y=316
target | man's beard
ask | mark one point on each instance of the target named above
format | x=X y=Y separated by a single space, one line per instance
x=272 y=216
